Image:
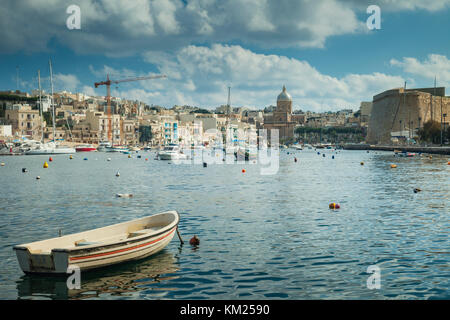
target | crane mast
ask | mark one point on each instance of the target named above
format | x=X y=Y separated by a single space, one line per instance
x=108 y=83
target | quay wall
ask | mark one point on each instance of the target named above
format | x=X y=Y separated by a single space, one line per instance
x=416 y=149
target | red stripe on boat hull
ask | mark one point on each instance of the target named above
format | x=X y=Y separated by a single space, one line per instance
x=121 y=250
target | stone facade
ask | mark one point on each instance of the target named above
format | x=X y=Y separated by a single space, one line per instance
x=24 y=122
x=281 y=117
x=398 y=112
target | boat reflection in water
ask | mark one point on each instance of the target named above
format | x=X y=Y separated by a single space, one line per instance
x=122 y=279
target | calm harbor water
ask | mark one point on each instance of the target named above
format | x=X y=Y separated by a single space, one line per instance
x=262 y=236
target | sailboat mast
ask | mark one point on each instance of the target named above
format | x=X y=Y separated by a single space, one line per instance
x=228 y=130
x=52 y=99
x=40 y=105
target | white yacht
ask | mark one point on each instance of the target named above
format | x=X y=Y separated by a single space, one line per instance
x=247 y=153
x=49 y=148
x=117 y=149
x=171 y=152
x=103 y=146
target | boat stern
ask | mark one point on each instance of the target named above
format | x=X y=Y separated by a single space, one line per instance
x=41 y=262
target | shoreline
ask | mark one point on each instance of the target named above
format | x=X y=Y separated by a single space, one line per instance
x=417 y=149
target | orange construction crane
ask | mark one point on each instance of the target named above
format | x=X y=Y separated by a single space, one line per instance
x=108 y=94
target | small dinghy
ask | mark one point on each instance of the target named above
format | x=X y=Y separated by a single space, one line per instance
x=100 y=247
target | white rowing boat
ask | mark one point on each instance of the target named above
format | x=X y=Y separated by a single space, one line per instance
x=100 y=247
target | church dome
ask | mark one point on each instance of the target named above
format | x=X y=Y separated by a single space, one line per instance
x=284 y=96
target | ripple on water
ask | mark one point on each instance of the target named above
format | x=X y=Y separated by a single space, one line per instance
x=262 y=237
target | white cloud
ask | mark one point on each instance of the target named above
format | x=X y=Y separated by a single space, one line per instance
x=434 y=65
x=202 y=75
x=90 y=91
x=165 y=16
x=68 y=82
x=123 y=28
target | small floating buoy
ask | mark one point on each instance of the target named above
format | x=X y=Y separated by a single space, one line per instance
x=448 y=163
x=332 y=157
x=334 y=205
x=37 y=178
x=393 y=166
x=318 y=153
x=70 y=157
x=117 y=174
x=50 y=159
x=146 y=159
x=109 y=159
x=124 y=195
x=195 y=241
x=417 y=190
x=362 y=163
x=129 y=156
x=2 y=164
x=85 y=159
x=205 y=164
x=24 y=170
x=243 y=170
x=139 y=156
x=295 y=159
x=323 y=155
x=45 y=164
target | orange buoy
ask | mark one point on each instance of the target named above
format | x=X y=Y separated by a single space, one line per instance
x=334 y=205
x=45 y=164
x=448 y=163
x=146 y=159
x=50 y=159
x=393 y=166
x=243 y=170
x=195 y=241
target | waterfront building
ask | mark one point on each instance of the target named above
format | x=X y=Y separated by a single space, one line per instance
x=399 y=113
x=281 y=117
x=24 y=121
x=130 y=132
x=83 y=133
x=170 y=130
x=5 y=131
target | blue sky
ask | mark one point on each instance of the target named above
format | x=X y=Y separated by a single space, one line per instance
x=321 y=50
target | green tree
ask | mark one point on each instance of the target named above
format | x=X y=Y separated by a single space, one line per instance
x=431 y=132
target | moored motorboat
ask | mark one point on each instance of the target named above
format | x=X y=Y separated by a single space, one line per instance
x=247 y=153
x=171 y=152
x=85 y=148
x=117 y=149
x=103 y=145
x=100 y=247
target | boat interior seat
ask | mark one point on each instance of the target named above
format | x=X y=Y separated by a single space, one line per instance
x=83 y=242
x=141 y=232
